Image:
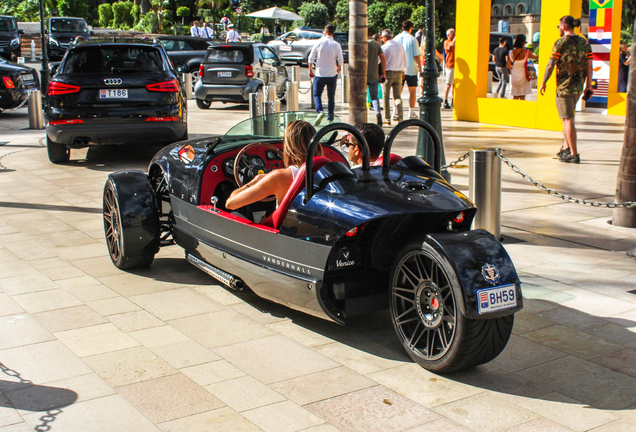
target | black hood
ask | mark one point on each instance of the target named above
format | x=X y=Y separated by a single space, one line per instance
x=8 y=34
x=12 y=67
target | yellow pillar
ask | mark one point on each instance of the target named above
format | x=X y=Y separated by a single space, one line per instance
x=616 y=102
x=471 y=68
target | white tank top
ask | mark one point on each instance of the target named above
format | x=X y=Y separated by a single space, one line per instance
x=294 y=170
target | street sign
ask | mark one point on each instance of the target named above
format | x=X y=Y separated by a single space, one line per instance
x=503 y=27
x=239 y=10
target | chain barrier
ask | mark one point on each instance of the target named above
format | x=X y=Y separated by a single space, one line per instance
x=541 y=186
x=455 y=162
x=19 y=106
x=311 y=85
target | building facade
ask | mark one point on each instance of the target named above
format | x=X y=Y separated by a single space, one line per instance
x=523 y=16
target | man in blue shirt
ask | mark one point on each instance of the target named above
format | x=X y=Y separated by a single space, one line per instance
x=413 y=63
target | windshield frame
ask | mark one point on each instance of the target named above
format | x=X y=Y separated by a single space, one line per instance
x=254 y=129
x=53 y=19
x=12 y=21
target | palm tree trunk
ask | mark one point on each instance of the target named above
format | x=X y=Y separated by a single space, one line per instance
x=626 y=182
x=358 y=61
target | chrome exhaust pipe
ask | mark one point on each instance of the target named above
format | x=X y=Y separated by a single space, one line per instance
x=85 y=141
x=218 y=274
x=77 y=141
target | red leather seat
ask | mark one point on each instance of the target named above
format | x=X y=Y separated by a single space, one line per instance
x=394 y=159
x=275 y=220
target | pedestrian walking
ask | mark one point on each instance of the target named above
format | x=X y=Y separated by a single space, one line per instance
x=413 y=63
x=520 y=85
x=375 y=74
x=500 y=54
x=232 y=35
x=418 y=35
x=195 y=30
x=326 y=58
x=572 y=57
x=277 y=30
x=624 y=59
x=206 y=31
x=225 y=21
x=449 y=56
x=395 y=66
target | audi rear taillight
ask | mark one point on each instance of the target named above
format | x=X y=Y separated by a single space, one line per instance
x=459 y=218
x=163 y=119
x=352 y=232
x=8 y=82
x=58 y=88
x=201 y=71
x=249 y=71
x=70 y=121
x=166 y=86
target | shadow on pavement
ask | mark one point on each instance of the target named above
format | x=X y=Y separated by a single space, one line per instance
x=50 y=207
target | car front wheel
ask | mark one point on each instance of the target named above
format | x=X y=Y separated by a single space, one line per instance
x=58 y=153
x=425 y=308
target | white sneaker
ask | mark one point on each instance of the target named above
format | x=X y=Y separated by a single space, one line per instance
x=414 y=115
x=320 y=118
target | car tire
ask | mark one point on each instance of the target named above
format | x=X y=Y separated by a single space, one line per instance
x=425 y=306
x=114 y=233
x=58 y=153
x=203 y=104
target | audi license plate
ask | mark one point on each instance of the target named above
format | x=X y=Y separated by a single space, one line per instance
x=113 y=94
x=285 y=48
x=27 y=77
x=224 y=74
x=496 y=298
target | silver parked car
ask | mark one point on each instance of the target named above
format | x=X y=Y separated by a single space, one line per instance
x=295 y=46
x=230 y=72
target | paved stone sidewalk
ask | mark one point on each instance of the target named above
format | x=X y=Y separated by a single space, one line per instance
x=86 y=347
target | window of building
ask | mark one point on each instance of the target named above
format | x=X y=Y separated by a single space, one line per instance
x=507 y=10
x=521 y=9
x=496 y=11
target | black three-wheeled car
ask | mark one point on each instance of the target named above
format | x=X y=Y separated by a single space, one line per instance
x=343 y=242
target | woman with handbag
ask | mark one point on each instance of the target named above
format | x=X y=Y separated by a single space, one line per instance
x=520 y=76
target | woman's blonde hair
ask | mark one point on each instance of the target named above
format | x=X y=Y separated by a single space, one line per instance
x=298 y=134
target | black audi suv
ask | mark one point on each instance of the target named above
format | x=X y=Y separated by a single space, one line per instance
x=120 y=92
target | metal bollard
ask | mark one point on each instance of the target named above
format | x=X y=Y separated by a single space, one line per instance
x=36 y=119
x=295 y=74
x=187 y=83
x=489 y=85
x=344 y=80
x=256 y=102
x=33 y=50
x=292 y=95
x=484 y=189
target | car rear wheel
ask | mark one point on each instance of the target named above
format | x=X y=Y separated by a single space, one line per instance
x=426 y=313
x=58 y=153
x=203 y=104
x=115 y=235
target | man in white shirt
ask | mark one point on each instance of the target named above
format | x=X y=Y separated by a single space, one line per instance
x=232 y=35
x=195 y=30
x=206 y=31
x=395 y=67
x=413 y=63
x=326 y=58
x=226 y=22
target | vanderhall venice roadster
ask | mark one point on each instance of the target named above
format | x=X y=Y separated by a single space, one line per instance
x=344 y=241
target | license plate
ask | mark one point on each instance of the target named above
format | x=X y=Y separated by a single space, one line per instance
x=224 y=74
x=27 y=77
x=113 y=94
x=496 y=298
x=285 y=48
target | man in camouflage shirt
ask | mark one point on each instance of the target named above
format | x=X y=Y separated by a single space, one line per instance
x=572 y=57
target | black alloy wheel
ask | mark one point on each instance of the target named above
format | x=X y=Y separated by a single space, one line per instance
x=425 y=298
x=113 y=230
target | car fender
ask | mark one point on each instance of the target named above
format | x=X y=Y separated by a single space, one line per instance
x=468 y=252
x=137 y=212
x=254 y=84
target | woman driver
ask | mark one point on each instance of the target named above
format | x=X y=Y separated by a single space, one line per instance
x=298 y=134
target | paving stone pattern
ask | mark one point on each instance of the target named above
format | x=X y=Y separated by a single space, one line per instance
x=86 y=347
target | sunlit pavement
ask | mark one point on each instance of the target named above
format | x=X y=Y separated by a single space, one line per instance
x=86 y=347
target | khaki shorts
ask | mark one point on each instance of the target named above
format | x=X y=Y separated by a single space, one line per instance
x=566 y=105
x=450 y=76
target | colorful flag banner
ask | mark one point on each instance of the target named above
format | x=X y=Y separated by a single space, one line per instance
x=601 y=4
x=600 y=38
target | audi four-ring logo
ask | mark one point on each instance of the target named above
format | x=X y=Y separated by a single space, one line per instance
x=112 y=81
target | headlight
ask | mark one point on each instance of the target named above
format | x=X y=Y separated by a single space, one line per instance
x=53 y=42
x=15 y=41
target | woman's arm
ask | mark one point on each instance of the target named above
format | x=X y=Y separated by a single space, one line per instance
x=532 y=55
x=275 y=183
